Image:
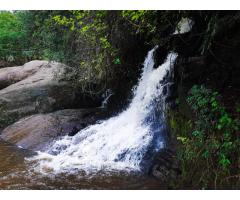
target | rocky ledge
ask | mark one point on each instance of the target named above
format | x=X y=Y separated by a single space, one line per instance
x=37 y=105
x=37 y=131
x=37 y=87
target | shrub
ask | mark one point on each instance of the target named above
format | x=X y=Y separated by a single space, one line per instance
x=210 y=151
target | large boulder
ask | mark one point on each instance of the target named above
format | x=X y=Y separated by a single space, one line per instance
x=37 y=87
x=165 y=166
x=10 y=75
x=38 y=131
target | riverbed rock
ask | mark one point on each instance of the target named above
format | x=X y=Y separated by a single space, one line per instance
x=165 y=166
x=38 y=131
x=10 y=75
x=38 y=87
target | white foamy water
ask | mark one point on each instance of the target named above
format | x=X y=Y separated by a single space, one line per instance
x=121 y=142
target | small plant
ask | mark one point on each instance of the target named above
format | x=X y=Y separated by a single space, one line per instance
x=215 y=128
x=117 y=61
x=209 y=150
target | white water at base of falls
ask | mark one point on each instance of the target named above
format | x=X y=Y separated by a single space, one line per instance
x=121 y=142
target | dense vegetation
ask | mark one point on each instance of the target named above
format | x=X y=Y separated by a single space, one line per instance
x=209 y=140
x=12 y=38
x=105 y=50
x=96 y=44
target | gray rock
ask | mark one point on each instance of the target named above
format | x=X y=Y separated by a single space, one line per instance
x=36 y=87
x=38 y=131
x=165 y=166
x=10 y=75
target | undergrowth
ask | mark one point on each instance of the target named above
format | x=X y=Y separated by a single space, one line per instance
x=208 y=143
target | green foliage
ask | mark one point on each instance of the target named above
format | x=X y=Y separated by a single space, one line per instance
x=209 y=142
x=134 y=15
x=215 y=129
x=87 y=41
x=117 y=61
x=29 y=35
x=143 y=21
x=13 y=39
x=213 y=144
x=93 y=46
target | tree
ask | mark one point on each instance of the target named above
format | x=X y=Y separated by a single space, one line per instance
x=12 y=38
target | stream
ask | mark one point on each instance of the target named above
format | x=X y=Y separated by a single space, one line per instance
x=112 y=154
x=15 y=173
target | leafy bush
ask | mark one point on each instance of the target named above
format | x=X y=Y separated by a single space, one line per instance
x=214 y=126
x=210 y=151
x=13 y=39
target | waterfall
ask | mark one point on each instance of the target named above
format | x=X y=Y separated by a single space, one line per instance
x=122 y=142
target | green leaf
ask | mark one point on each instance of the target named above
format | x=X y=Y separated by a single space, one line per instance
x=117 y=61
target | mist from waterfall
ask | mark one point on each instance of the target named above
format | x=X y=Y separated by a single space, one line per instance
x=122 y=142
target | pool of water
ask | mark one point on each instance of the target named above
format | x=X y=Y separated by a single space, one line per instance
x=17 y=173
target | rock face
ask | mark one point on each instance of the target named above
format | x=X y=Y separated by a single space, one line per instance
x=37 y=87
x=10 y=75
x=36 y=132
x=165 y=166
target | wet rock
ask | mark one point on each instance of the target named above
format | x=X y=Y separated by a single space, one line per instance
x=165 y=166
x=165 y=90
x=159 y=56
x=38 y=131
x=74 y=130
x=10 y=75
x=38 y=87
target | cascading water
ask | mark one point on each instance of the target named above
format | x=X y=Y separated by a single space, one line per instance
x=122 y=142
x=106 y=97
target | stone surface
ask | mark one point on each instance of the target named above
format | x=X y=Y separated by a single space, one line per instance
x=38 y=131
x=10 y=75
x=165 y=166
x=38 y=87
